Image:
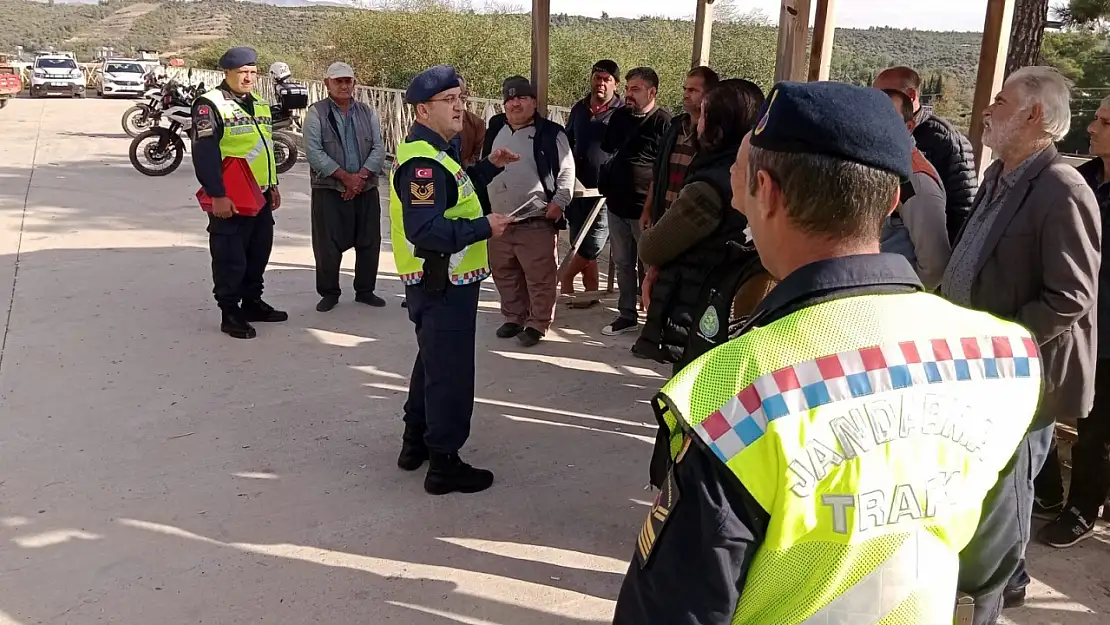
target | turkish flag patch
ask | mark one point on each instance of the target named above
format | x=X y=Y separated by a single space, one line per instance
x=423 y=172
x=203 y=109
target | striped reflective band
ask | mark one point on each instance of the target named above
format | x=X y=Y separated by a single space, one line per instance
x=858 y=373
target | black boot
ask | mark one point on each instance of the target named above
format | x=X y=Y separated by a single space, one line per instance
x=235 y=324
x=258 y=310
x=413 y=450
x=447 y=473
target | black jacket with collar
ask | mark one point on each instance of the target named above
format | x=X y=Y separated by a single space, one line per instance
x=951 y=154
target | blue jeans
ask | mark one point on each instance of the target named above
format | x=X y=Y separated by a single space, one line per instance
x=995 y=558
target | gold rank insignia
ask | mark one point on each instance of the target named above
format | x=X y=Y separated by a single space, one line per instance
x=660 y=512
x=422 y=194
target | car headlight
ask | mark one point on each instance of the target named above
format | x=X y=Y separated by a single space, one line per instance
x=40 y=73
x=76 y=74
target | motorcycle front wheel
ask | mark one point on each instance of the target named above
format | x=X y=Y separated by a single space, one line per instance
x=156 y=152
x=285 y=151
x=136 y=120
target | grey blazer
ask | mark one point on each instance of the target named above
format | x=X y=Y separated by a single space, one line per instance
x=1039 y=267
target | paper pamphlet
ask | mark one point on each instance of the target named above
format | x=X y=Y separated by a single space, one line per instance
x=533 y=207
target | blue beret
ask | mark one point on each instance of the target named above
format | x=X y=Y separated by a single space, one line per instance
x=428 y=83
x=238 y=57
x=856 y=124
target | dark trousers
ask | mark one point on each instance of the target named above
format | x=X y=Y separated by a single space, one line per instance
x=1090 y=457
x=339 y=225
x=995 y=557
x=441 y=389
x=240 y=248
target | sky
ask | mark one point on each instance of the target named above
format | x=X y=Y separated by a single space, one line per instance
x=928 y=15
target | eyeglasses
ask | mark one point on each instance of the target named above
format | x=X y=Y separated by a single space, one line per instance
x=451 y=99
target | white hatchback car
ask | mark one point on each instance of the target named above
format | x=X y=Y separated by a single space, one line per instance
x=57 y=74
x=121 y=78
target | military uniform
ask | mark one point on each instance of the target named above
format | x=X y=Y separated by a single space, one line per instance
x=226 y=124
x=830 y=464
x=439 y=238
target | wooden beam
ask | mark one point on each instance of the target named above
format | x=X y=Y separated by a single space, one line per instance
x=703 y=33
x=992 y=68
x=824 y=26
x=793 y=37
x=541 y=27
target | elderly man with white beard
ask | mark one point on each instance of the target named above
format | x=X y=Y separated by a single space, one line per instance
x=1029 y=252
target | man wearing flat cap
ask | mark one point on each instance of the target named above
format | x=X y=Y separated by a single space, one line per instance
x=231 y=121
x=830 y=463
x=439 y=239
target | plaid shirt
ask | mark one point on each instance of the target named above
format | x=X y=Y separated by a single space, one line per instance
x=680 y=158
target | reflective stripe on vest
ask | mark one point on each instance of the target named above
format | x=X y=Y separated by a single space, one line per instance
x=246 y=136
x=466 y=266
x=859 y=425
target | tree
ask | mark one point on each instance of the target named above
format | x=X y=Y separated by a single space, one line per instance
x=1085 y=13
x=1027 y=34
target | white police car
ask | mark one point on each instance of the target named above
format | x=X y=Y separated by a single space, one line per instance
x=57 y=74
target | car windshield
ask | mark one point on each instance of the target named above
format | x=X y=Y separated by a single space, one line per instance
x=123 y=68
x=57 y=63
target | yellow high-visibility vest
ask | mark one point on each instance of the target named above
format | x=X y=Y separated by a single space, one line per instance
x=247 y=136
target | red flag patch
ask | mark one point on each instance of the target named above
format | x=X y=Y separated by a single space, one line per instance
x=203 y=109
x=423 y=172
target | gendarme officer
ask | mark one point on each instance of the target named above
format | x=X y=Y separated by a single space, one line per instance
x=240 y=245
x=439 y=234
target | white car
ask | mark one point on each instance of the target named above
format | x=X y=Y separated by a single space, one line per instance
x=56 y=74
x=124 y=78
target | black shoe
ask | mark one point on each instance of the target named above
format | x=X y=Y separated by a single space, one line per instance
x=262 y=312
x=447 y=473
x=621 y=326
x=509 y=330
x=370 y=300
x=530 y=337
x=1047 y=510
x=1068 y=529
x=235 y=324
x=404 y=303
x=413 y=450
x=327 y=302
x=1013 y=598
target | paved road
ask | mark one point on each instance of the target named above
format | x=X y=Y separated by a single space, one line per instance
x=153 y=470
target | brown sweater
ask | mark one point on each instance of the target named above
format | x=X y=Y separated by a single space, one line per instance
x=473 y=132
x=691 y=217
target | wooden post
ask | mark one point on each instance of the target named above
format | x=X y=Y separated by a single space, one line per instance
x=992 y=67
x=703 y=33
x=541 y=26
x=824 y=26
x=793 y=36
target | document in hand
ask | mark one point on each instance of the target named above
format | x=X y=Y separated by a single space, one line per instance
x=241 y=189
x=534 y=207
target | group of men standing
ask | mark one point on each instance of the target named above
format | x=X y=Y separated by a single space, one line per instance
x=765 y=491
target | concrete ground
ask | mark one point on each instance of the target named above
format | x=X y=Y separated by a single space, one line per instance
x=153 y=470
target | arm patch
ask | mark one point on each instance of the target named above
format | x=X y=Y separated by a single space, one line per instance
x=205 y=127
x=422 y=194
x=660 y=512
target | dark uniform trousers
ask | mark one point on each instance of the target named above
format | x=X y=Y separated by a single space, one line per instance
x=339 y=225
x=441 y=388
x=1007 y=516
x=240 y=248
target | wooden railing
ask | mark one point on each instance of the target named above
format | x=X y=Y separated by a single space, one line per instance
x=396 y=116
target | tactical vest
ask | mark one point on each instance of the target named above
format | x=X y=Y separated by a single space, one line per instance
x=870 y=429
x=467 y=266
x=246 y=136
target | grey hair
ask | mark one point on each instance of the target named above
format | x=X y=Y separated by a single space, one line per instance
x=828 y=196
x=1046 y=86
x=1105 y=102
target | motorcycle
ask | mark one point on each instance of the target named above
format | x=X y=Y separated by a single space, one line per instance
x=287 y=131
x=144 y=116
x=158 y=151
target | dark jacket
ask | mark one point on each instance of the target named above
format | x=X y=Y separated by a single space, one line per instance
x=691 y=300
x=1092 y=172
x=951 y=154
x=545 y=150
x=634 y=142
x=663 y=164
x=585 y=133
x=1039 y=266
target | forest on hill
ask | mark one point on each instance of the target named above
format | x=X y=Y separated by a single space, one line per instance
x=388 y=47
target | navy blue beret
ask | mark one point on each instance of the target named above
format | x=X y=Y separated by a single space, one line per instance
x=238 y=57
x=428 y=83
x=853 y=123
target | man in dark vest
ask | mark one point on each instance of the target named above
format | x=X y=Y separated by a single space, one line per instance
x=525 y=269
x=343 y=140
